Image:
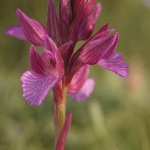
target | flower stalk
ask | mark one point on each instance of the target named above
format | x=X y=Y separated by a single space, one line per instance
x=60 y=100
x=62 y=110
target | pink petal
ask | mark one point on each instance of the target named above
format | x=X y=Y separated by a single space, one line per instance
x=85 y=5
x=35 y=87
x=76 y=6
x=103 y=28
x=52 y=23
x=60 y=64
x=65 y=17
x=102 y=32
x=84 y=92
x=34 y=31
x=36 y=61
x=99 y=46
x=112 y=48
x=115 y=63
x=87 y=26
x=79 y=79
x=65 y=11
x=53 y=63
x=94 y=50
x=16 y=32
x=84 y=9
x=50 y=45
x=49 y=62
x=64 y=49
x=62 y=139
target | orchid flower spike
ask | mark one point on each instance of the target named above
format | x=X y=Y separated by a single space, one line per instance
x=60 y=64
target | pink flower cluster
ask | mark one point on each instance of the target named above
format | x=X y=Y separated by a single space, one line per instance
x=60 y=60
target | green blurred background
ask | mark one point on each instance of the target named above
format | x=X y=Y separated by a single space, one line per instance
x=116 y=116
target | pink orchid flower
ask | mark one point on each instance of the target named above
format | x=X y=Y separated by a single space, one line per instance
x=74 y=24
x=62 y=68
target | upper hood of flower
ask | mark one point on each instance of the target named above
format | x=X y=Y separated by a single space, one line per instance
x=28 y=29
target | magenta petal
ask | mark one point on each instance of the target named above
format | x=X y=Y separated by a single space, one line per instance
x=60 y=64
x=111 y=49
x=52 y=23
x=64 y=49
x=82 y=9
x=84 y=92
x=87 y=26
x=99 y=46
x=62 y=139
x=94 y=50
x=77 y=4
x=16 y=32
x=102 y=32
x=49 y=62
x=35 y=87
x=65 y=12
x=33 y=30
x=36 y=61
x=50 y=45
x=115 y=63
x=65 y=17
x=53 y=63
x=79 y=79
x=103 y=28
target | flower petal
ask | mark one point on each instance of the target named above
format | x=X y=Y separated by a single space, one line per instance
x=63 y=49
x=85 y=18
x=87 y=26
x=65 y=11
x=50 y=45
x=103 y=28
x=33 y=30
x=94 y=50
x=16 y=32
x=82 y=7
x=85 y=91
x=52 y=23
x=99 y=46
x=35 y=87
x=49 y=62
x=62 y=138
x=103 y=31
x=79 y=79
x=60 y=64
x=65 y=17
x=53 y=63
x=112 y=48
x=36 y=61
x=115 y=63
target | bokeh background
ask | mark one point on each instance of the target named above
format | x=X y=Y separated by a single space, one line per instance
x=116 y=116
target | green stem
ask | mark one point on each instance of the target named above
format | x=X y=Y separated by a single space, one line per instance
x=60 y=110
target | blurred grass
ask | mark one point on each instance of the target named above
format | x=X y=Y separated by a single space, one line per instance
x=116 y=116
